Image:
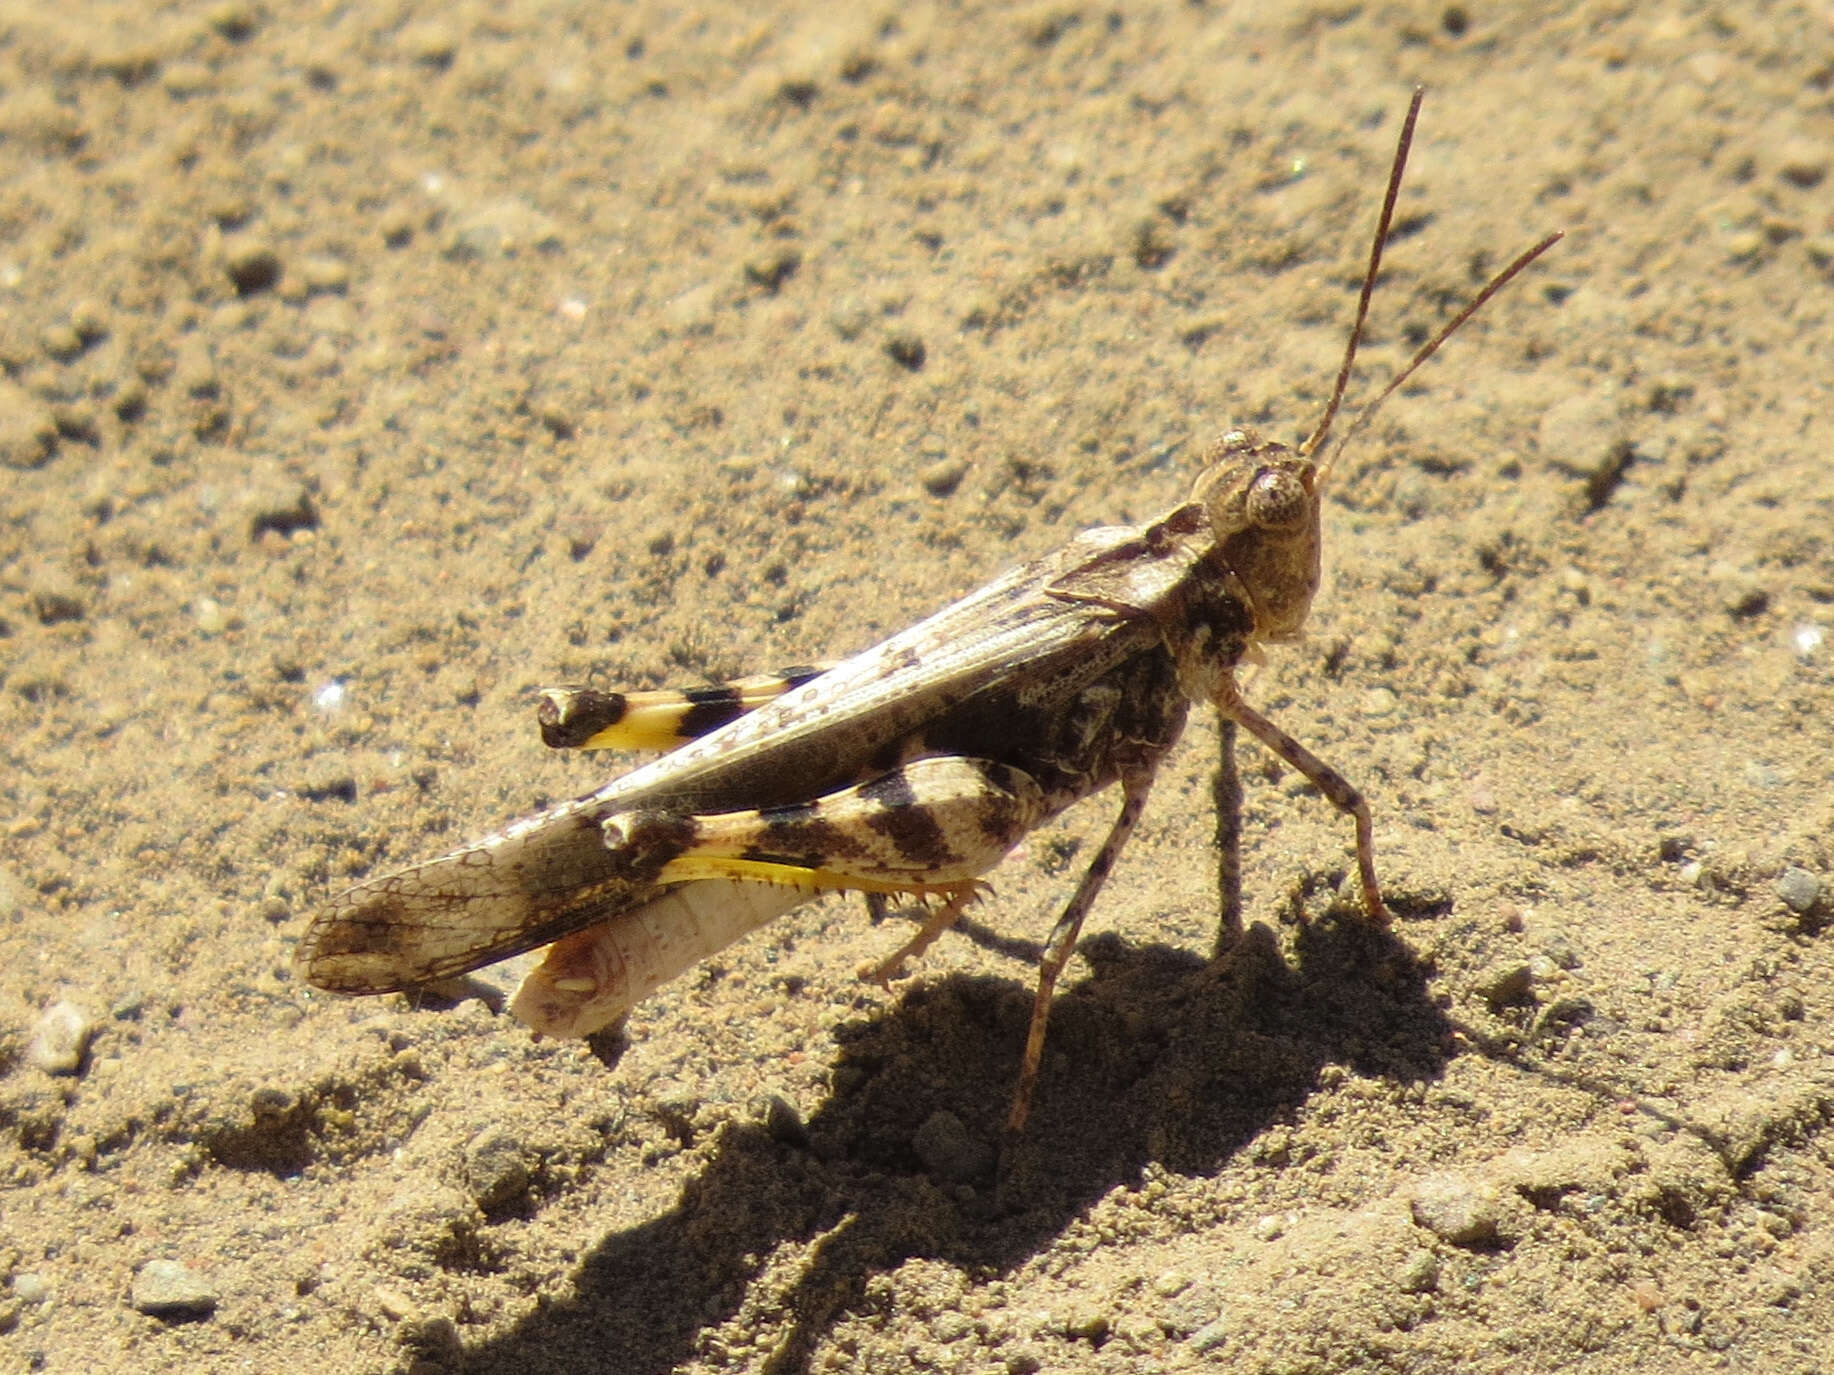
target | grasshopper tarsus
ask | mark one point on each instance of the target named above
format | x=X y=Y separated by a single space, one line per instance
x=885 y=971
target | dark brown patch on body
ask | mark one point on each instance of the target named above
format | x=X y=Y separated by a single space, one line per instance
x=649 y=840
x=911 y=829
x=795 y=833
x=1002 y=817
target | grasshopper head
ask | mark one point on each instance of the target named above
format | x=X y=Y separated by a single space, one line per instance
x=1262 y=500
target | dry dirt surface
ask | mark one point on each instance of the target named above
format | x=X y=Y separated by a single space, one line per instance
x=367 y=367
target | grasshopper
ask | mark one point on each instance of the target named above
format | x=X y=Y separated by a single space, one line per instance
x=910 y=769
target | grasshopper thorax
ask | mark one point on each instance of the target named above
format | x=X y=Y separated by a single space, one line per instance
x=1262 y=501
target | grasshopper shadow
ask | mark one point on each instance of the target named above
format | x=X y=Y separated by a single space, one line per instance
x=1157 y=1058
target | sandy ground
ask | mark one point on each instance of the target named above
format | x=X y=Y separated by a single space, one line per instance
x=368 y=366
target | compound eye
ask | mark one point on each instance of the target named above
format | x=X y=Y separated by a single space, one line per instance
x=1277 y=500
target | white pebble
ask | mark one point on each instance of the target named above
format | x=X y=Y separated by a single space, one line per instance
x=60 y=1037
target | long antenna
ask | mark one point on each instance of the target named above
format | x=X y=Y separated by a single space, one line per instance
x=1496 y=284
x=1317 y=436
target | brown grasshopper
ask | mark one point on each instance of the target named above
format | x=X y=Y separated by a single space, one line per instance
x=912 y=768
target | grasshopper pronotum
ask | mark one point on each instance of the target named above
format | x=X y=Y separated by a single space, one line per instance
x=911 y=768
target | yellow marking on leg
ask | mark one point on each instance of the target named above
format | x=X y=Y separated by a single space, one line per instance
x=687 y=868
x=927 y=827
x=651 y=721
x=583 y=718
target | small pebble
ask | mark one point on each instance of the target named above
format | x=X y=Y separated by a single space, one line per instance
x=1453 y=1208
x=252 y=265
x=1577 y=434
x=233 y=19
x=1542 y=968
x=849 y=317
x=557 y=419
x=184 y=79
x=496 y=1168
x=284 y=506
x=31 y=1287
x=1170 y=1283
x=59 y=1038
x=951 y=1327
x=28 y=431
x=327 y=777
x=1419 y=1272
x=56 y=599
x=271 y=1106
x=942 y=477
x=1745 y=245
x=1563 y=1015
x=62 y=342
x=429 y=42
x=78 y=420
x=1803 y=162
x=393 y=1304
x=1799 y=889
x=1562 y=952
x=502 y=229
x=324 y=274
x=783 y=1121
x=1737 y=589
x=1210 y=1336
x=89 y=319
x=771 y=270
x=1088 y=1322
x=209 y=616
x=948 y=1151
x=129 y=1007
x=1505 y=985
x=906 y=349
x=170 y=1289
x=1647 y=1296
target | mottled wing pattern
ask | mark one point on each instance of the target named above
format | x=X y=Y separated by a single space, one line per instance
x=1019 y=634
x=521 y=888
x=550 y=874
